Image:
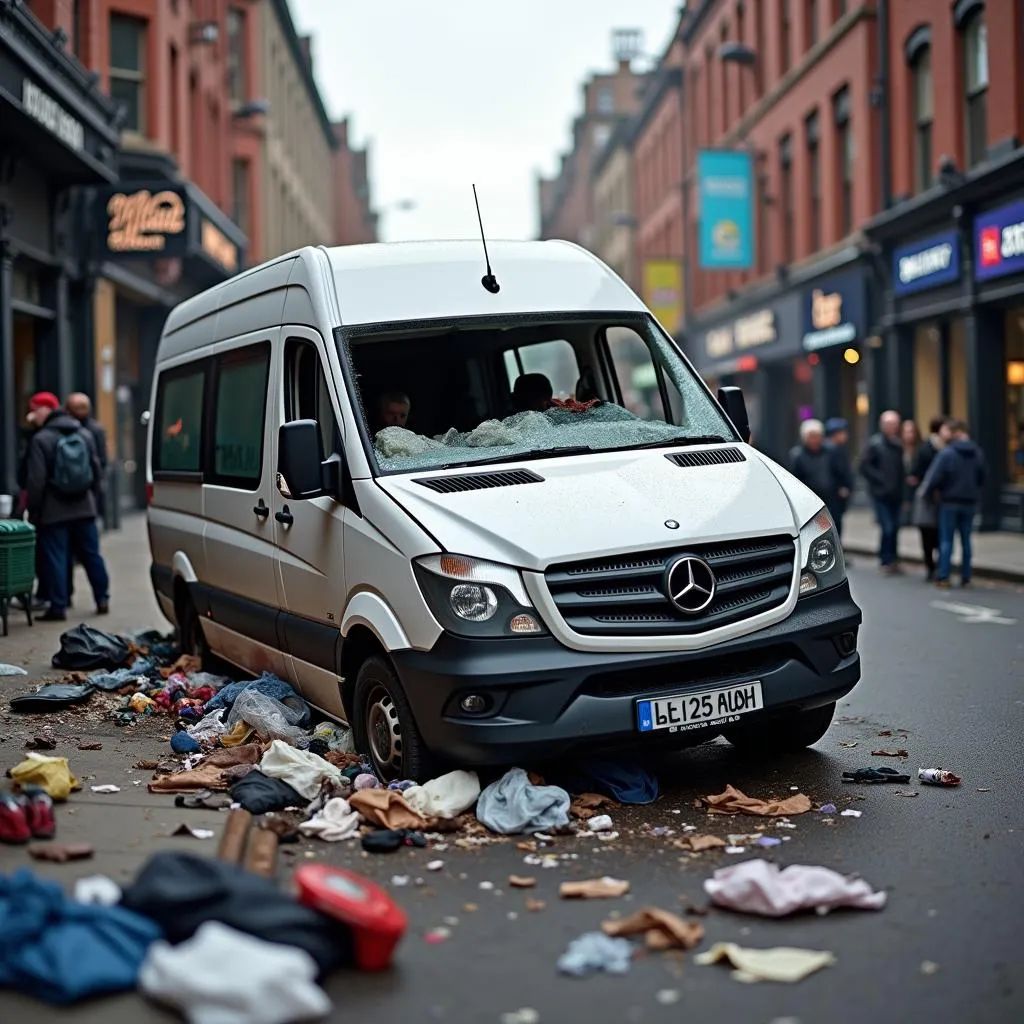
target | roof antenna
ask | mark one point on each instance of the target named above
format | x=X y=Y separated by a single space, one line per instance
x=489 y=281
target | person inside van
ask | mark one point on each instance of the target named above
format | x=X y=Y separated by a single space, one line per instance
x=532 y=392
x=393 y=409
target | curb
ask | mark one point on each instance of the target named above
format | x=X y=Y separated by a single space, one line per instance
x=982 y=572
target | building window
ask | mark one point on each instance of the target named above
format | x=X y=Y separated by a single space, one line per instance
x=602 y=133
x=128 y=69
x=605 y=101
x=812 y=22
x=240 y=193
x=785 y=37
x=786 y=198
x=921 y=72
x=975 y=38
x=236 y=55
x=812 y=132
x=844 y=154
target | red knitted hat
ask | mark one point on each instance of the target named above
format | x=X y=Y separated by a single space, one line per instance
x=44 y=400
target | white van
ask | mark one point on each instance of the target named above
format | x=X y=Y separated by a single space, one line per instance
x=593 y=556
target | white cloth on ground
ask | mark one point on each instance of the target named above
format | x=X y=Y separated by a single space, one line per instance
x=335 y=822
x=782 y=963
x=758 y=887
x=97 y=889
x=302 y=770
x=209 y=727
x=221 y=976
x=513 y=804
x=447 y=796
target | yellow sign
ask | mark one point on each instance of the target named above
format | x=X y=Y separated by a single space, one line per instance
x=141 y=222
x=663 y=292
x=217 y=246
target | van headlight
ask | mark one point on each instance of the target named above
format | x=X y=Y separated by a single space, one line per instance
x=470 y=597
x=821 y=554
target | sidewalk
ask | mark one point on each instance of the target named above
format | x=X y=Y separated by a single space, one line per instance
x=997 y=556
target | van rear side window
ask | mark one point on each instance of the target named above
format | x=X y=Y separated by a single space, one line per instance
x=241 y=406
x=178 y=446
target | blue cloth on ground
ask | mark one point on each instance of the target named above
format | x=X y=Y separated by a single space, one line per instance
x=622 y=780
x=61 y=951
x=270 y=686
x=513 y=804
x=182 y=743
x=110 y=681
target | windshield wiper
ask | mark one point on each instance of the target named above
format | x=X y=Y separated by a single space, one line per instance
x=533 y=453
x=669 y=442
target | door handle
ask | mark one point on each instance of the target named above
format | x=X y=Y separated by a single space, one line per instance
x=284 y=516
x=262 y=510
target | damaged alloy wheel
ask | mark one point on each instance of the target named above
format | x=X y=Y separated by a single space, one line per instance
x=384 y=726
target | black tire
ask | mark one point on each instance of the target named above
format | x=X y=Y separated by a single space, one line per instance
x=384 y=727
x=190 y=633
x=784 y=734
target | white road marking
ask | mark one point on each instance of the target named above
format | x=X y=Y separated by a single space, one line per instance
x=974 y=613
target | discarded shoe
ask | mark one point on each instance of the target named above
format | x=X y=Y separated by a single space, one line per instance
x=876 y=775
x=39 y=812
x=13 y=822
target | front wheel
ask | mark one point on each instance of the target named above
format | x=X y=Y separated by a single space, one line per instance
x=384 y=726
x=785 y=734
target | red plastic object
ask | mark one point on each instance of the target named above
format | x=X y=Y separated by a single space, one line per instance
x=377 y=922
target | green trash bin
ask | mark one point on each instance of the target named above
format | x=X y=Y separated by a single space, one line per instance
x=17 y=565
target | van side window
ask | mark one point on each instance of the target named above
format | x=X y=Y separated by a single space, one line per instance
x=638 y=378
x=306 y=395
x=239 y=416
x=178 y=444
x=555 y=359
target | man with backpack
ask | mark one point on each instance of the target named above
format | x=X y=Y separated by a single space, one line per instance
x=62 y=478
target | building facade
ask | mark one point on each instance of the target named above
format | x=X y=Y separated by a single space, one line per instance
x=355 y=220
x=614 y=222
x=951 y=239
x=58 y=134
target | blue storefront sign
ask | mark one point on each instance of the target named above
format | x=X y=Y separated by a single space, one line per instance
x=725 y=184
x=999 y=242
x=835 y=311
x=927 y=263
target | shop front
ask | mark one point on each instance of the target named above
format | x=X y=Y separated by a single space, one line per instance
x=57 y=132
x=158 y=241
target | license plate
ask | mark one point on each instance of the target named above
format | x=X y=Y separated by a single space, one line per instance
x=699 y=710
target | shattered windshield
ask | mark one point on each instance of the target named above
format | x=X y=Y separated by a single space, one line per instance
x=472 y=393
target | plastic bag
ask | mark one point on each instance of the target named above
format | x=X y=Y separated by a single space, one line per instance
x=197 y=680
x=337 y=737
x=85 y=647
x=269 y=717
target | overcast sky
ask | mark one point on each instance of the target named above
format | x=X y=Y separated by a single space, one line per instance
x=458 y=91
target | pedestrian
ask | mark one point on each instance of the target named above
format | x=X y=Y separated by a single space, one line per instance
x=911 y=438
x=882 y=468
x=812 y=464
x=837 y=437
x=956 y=477
x=80 y=406
x=61 y=478
x=925 y=511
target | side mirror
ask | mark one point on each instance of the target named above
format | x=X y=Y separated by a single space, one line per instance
x=732 y=401
x=299 y=445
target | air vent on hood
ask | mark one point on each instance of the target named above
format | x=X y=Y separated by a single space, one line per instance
x=708 y=457
x=480 y=481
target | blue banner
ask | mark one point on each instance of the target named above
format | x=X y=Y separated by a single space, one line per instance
x=999 y=242
x=928 y=263
x=725 y=184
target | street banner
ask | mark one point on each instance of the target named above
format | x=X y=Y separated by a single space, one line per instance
x=725 y=188
x=663 y=292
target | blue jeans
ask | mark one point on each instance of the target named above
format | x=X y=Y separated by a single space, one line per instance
x=954 y=519
x=888 y=515
x=58 y=542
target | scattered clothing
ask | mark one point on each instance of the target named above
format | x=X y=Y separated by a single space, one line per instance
x=661 y=929
x=623 y=780
x=98 y=890
x=335 y=822
x=269 y=717
x=60 y=853
x=447 y=796
x=183 y=743
x=84 y=647
x=210 y=727
x=366 y=780
x=882 y=774
x=594 y=889
x=181 y=892
x=259 y=793
x=52 y=697
x=62 y=951
x=698 y=844
x=596 y=951
x=221 y=976
x=783 y=963
x=387 y=840
x=206 y=776
x=270 y=686
x=386 y=808
x=51 y=774
x=302 y=770
x=733 y=801
x=757 y=887
x=12 y=670
x=512 y=805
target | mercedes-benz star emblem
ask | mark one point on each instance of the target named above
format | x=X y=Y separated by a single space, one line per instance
x=690 y=584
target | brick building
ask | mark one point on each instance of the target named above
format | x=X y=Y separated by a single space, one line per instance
x=354 y=218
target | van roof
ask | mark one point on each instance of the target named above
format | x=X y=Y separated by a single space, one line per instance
x=402 y=281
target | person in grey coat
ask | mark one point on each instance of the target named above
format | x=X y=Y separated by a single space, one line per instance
x=62 y=476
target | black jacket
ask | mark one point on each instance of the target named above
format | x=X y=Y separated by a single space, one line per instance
x=882 y=468
x=841 y=467
x=923 y=458
x=99 y=437
x=45 y=506
x=815 y=469
x=957 y=474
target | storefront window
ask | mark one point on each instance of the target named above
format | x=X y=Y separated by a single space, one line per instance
x=1015 y=395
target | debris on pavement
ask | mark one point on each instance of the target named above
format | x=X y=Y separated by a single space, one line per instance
x=447 y=796
x=875 y=775
x=733 y=801
x=624 y=780
x=512 y=805
x=204 y=800
x=594 y=889
x=890 y=753
x=521 y=882
x=534 y=905
x=12 y=670
x=929 y=967
x=106 y=788
x=437 y=935
x=90 y=746
x=666 y=996
x=699 y=843
x=97 y=889
x=60 y=854
x=387 y=809
x=522 y=1016
x=587 y=805
x=600 y=823
x=195 y=833
x=938 y=777
x=758 y=887
x=905 y=792
x=827 y=809
x=595 y=951
x=660 y=929
x=45 y=740
x=782 y=963
x=851 y=813
x=336 y=822
x=50 y=773
x=847 y=743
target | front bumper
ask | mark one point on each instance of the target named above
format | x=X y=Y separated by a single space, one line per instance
x=546 y=699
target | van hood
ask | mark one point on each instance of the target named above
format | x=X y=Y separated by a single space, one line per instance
x=591 y=505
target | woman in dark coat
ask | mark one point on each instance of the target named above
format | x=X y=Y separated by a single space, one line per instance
x=925 y=513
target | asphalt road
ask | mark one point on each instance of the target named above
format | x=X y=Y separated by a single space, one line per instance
x=949 y=859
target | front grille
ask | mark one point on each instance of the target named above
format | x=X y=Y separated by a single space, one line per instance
x=626 y=596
